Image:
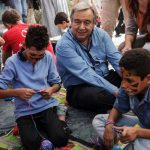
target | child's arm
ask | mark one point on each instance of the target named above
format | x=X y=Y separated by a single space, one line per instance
x=22 y=93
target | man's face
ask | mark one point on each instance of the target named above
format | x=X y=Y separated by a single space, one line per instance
x=33 y=55
x=132 y=83
x=82 y=24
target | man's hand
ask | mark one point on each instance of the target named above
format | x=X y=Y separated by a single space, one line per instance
x=108 y=137
x=129 y=134
x=25 y=93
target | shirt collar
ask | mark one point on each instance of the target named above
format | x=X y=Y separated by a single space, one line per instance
x=21 y=56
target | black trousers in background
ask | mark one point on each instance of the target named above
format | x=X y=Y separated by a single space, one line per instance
x=93 y=98
x=48 y=126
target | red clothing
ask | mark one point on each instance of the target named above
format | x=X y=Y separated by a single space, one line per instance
x=15 y=37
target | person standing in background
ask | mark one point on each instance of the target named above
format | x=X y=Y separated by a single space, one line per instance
x=21 y=6
x=49 y=10
x=109 y=14
x=139 y=19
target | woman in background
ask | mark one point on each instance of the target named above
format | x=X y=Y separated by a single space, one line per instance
x=139 y=19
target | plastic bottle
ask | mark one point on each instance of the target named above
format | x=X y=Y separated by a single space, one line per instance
x=116 y=147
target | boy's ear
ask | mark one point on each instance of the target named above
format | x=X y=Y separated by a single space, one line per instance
x=148 y=79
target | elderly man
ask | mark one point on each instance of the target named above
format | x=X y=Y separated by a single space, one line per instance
x=83 y=54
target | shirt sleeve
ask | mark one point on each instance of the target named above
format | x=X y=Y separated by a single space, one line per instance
x=122 y=103
x=7 y=75
x=113 y=55
x=53 y=76
x=75 y=64
x=132 y=27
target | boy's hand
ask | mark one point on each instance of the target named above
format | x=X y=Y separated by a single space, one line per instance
x=129 y=134
x=109 y=137
x=25 y=93
x=46 y=92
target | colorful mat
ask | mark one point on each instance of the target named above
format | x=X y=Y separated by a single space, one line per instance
x=11 y=142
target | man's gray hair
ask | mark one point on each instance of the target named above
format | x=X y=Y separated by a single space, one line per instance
x=81 y=6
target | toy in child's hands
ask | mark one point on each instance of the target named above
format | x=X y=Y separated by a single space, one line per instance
x=118 y=131
x=41 y=92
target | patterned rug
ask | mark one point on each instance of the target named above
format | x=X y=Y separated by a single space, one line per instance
x=11 y=142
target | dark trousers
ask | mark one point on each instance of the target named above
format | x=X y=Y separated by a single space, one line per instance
x=93 y=98
x=47 y=125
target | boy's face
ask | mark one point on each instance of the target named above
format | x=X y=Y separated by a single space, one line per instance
x=33 y=55
x=132 y=83
x=62 y=26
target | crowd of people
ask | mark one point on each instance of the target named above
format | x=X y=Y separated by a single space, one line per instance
x=81 y=65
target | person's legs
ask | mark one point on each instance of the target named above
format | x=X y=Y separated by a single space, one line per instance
x=109 y=14
x=18 y=6
x=28 y=133
x=33 y=129
x=11 y=3
x=99 y=126
x=24 y=10
x=123 y=5
x=56 y=131
x=93 y=98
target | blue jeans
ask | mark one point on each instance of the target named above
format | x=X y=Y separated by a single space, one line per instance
x=139 y=143
x=21 y=6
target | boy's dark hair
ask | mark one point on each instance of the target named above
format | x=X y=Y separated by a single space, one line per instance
x=37 y=36
x=11 y=16
x=60 y=17
x=136 y=60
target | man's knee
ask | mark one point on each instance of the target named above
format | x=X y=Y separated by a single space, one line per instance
x=99 y=124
